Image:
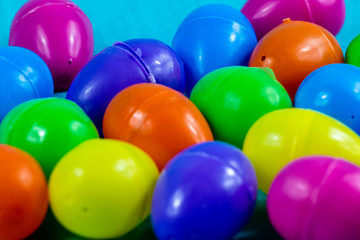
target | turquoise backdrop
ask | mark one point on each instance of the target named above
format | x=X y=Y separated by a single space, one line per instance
x=117 y=20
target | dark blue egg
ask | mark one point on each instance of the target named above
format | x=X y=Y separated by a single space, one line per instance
x=208 y=191
x=122 y=65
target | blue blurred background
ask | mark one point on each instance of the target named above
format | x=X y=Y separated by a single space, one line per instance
x=118 y=20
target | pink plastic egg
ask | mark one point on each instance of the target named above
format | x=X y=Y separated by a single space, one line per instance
x=316 y=197
x=265 y=15
x=59 y=32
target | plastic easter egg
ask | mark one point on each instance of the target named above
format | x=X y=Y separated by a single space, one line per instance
x=25 y=76
x=233 y=98
x=47 y=129
x=157 y=119
x=208 y=191
x=122 y=65
x=268 y=14
x=102 y=188
x=163 y=63
x=59 y=32
x=211 y=37
x=352 y=55
x=23 y=191
x=284 y=135
x=316 y=197
x=293 y=50
x=334 y=90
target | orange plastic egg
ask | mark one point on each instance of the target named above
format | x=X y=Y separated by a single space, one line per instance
x=159 y=120
x=293 y=50
x=23 y=194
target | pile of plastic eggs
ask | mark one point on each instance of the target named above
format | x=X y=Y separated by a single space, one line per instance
x=245 y=103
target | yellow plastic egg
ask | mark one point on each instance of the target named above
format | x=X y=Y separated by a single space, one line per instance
x=284 y=135
x=102 y=188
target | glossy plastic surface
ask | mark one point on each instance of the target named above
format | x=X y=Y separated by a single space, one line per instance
x=102 y=188
x=162 y=61
x=281 y=136
x=316 y=197
x=352 y=55
x=24 y=76
x=211 y=37
x=59 y=32
x=293 y=50
x=333 y=90
x=268 y=14
x=158 y=119
x=122 y=65
x=47 y=129
x=208 y=191
x=23 y=191
x=233 y=98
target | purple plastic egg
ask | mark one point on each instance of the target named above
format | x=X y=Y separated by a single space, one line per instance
x=207 y=191
x=122 y=65
x=59 y=32
x=268 y=14
x=161 y=60
x=316 y=197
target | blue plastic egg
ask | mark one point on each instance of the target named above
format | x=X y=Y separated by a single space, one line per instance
x=334 y=90
x=211 y=37
x=208 y=191
x=24 y=76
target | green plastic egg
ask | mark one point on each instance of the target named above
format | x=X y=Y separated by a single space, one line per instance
x=233 y=98
x=47 y=129
x=352 y=55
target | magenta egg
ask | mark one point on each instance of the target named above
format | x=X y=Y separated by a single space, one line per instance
x=265 y=15
x=59 y=32
x=316 y=197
